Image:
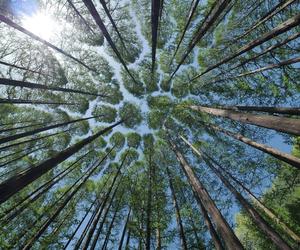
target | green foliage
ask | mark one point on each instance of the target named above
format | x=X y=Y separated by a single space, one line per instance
x=106 y=113
x=133 y=140
x=131 y=114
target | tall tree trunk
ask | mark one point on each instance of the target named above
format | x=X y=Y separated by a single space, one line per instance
x=259 y=221
x=37 y=38
x=271 y=66
x=279 y=7
x=218 y=7
x=149 y=207
x=124 y=230
x=20 y=67
x=88 y=174
x=35 y=139
x=23 y=101
x=128 y=240
x=177 y=212
x=22 y=84
x=90 y=6
x=98 y=231
x=99 y=212
x=103 y=3
x=21 y=180
x=266 y=210
x=214 y=235
x=281 y=124
x=271 y=110
x=22 y=127
x=33 y=196
x=155 y=7
x=81 y=17
x=111 y=225
x=230 y=239
x=290 y=159
x=192 y=11
x=281 y=28
x=39 y=130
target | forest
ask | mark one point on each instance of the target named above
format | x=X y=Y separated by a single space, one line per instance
x=138 y=124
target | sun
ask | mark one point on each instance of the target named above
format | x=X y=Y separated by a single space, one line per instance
x=41 y=24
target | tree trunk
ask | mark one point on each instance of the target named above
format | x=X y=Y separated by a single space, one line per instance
x=290 y=159
x=212 y=231
x=81 y=17
x=23 y=101
x=128 y=240
x=20 y=67
x=39 y=191
x=149 y=206
x=111 y=226
x=22 y=84
x=177 y=212
x=90 y=6
x=266 y=210
x=281 y=124
x=99 y=212
x=259 y=221
x=103 y=3
x=279 y=7
x=37 y=38
x=281 y=28
x=88 y=174
x=155 y=7
x=209 y=20
x=39 y=130
x=21 y=180
x=98 y=232
x=193 y=8
x=22 y=127
x=124 y=230
x=230 y=239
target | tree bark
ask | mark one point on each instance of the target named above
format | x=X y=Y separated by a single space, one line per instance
x=290 y=159
x=281 y=124
x=230 y=239
x=37 y=38
x=177 y=212
x=281 y=28
x=21 y=180
x=22 y=84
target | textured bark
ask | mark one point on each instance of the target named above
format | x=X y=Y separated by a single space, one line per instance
x=230 y=239
x=37 y=38
x=177 y=212
x=22 y=84
x=155 y=9
x=281 y=124
x=90 y=6
x=271 y=110
x=259 y=221
x=209 y=20
x=290 y=159
x=192 y=11
x=39 y=130
x=24 y=178
x=124 y=230
x=281 y=28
